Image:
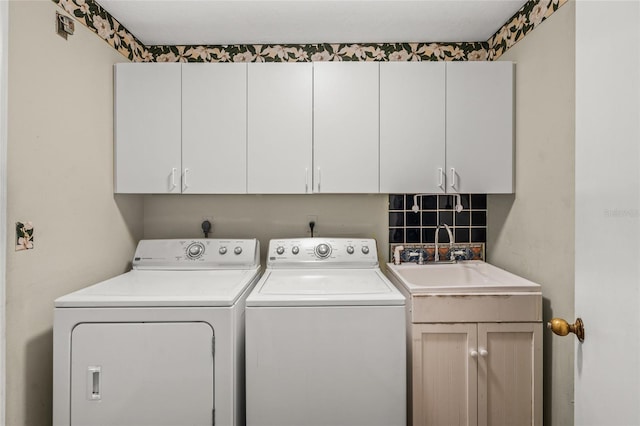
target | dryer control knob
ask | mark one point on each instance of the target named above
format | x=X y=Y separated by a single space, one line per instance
x=295 y=250
x=195 y=250
x=222 y=250
x=280 y=250
x=365 y=249
x=237 y=250
x=350 y=249
x=323 y=250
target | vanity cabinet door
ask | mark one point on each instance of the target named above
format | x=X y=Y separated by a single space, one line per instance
x=444 y=374
x=345 y=128
x=510 y=374
x=412 y=127
x=280 y=128
x=479 y=127
x=147 y=128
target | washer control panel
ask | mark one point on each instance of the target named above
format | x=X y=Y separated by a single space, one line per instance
x=203 y=253
x=332 y=252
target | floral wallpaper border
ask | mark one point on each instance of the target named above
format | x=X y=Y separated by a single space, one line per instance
x=532 y=14
x=93 y=16
x=97 y=19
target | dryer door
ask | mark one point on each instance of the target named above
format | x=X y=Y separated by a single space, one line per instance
x=142 y=374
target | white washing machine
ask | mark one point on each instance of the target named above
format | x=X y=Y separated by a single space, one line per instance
x=325 y=336
x=161 y=345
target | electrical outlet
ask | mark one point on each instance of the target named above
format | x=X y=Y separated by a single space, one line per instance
x=24 y=236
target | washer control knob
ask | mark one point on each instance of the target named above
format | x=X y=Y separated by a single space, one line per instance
x=295 y=250
x=280 y=250
x=237 y=250
x=195 y=250
x=350 y=249
x=365 y=249
x=222 y=250
x=323 y=250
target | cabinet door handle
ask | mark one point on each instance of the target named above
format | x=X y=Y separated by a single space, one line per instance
x=184 y=179
x=306 y=180
x=453 y=177
x=173 y=179
x=473 y=353
x=319 y=178
x=483 y=352
x=441 y=178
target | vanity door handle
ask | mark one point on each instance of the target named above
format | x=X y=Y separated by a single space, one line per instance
x=473 y=353
x=483 y=352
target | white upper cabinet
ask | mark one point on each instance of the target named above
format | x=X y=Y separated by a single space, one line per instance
x=346 y=127
x=315 y=127
x=280 y=128
x=214 y=128
x=412 y=127
x=479 y=127
x=147 y=128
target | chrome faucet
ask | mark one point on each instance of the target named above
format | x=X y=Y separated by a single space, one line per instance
x=437 y=253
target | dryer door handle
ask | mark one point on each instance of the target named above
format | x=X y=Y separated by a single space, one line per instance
x=93 y=383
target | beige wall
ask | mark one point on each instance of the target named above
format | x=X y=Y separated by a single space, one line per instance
x=59 y=177
x=532 y=233
x=268 y=216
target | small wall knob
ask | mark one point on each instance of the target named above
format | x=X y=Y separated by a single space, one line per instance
x=561 y=327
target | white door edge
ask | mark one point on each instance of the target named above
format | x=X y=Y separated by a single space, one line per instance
x=4 y=32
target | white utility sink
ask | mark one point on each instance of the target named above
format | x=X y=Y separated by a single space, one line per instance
x=462 y=277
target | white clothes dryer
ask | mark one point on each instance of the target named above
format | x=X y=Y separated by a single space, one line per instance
x=325 y=336
x=161 y=345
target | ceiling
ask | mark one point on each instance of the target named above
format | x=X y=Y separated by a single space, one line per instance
x=217 y=22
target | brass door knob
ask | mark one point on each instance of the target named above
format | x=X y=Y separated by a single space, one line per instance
x=562 y=327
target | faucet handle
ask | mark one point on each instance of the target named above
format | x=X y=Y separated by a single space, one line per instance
x=397 y=254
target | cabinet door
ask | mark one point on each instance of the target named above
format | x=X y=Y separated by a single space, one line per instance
x=147 y=128
x=412 y=125
x=444 y=374
x=214 y=128
x=280 y=128
x=346 y=147
x=510 y=374
x=144 y=374
x=479 y=127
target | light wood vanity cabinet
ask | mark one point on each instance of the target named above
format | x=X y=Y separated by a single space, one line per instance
x=475 y=359
x=476 y=374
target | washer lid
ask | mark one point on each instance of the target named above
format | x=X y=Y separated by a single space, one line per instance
x=324 y=287
x=163 y=288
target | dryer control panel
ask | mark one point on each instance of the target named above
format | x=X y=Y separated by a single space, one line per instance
x=200 y=253
x=328 y=252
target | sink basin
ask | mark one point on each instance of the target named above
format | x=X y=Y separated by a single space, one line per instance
x=463 y=277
